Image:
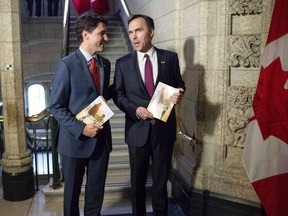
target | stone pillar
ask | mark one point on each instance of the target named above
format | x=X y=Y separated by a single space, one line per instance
x=17 y=174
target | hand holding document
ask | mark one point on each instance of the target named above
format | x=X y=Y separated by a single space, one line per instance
x=160 y=105
x=96 y=112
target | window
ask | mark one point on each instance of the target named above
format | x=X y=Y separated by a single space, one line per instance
x=36 y=99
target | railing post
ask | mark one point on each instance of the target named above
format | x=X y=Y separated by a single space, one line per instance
x=55 y=160
x=66 y=26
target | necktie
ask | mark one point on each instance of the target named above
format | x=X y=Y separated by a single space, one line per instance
x=95 y=74
x=149 y=82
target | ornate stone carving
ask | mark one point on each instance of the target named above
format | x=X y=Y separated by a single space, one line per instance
x=244 y=51
x=243 y=7
x=239 y=105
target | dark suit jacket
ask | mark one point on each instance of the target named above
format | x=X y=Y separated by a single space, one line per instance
x=130 y=93
x=72 y=90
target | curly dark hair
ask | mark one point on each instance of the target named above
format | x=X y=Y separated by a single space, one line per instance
x=87 y=22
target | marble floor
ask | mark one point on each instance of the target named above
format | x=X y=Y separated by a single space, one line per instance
x=37 y=206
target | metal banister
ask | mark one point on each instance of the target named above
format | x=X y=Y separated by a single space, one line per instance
x=66 y=26
x=50 y=125
x=191 y=140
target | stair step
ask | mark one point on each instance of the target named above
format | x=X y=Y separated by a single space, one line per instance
x=113 y=106
x=120 y=40
x=114 y=26
x=117 y=124
x=118 y=172
x=118 y=141
x=112 y=43
x=118 y=119
x=118 y=130
x=108 y=48
x=110 y=19
x=114 y=192
x=119 y=154
x=120 y=149
x=124 y=158
x=118 y=113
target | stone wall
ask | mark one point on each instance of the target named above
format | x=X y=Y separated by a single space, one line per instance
x=41 y=46
x=219 y=45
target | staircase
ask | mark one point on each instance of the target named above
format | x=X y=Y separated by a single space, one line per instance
x=118 y=176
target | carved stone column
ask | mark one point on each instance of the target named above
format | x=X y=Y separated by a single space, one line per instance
x=17 y=174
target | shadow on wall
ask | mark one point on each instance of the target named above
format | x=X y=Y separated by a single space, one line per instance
x=199 y=111
x=200 y=114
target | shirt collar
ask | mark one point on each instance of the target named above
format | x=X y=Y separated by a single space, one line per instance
x=87 y=55
x=150 y=52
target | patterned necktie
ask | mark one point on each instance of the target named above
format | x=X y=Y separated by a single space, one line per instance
x=95 y=74
x=149 y=82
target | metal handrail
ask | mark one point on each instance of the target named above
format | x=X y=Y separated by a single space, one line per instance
x=191 y=140
x=49 y=140
x=38 y=116
x=125 y=8
x=35 y=118
x=66 y=26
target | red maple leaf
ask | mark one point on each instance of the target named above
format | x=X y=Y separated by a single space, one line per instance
x=270 y=102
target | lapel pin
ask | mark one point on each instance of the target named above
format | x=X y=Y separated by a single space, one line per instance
x=162 y=62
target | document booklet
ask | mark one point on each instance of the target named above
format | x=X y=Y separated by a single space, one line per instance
x=160 y=105
x=96 y=112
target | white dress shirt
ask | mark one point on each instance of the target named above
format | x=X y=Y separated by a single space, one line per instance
x=153 y=58
x=88 y=58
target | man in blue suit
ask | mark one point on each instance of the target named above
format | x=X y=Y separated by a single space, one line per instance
x=82 y=146
x=147 y=138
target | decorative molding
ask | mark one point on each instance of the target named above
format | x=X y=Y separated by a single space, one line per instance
x=239 y=107
x=244 y=51
x=243 y=7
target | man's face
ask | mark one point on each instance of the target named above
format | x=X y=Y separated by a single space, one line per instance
x=140 y=35
x=94 y=41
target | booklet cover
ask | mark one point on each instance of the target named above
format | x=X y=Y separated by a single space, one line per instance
x=160 y=105
x=96 y=112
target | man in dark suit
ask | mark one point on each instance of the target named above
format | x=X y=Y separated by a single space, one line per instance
x=82 y=146
x=147 y=138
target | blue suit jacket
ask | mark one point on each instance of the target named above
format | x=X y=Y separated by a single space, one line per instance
x=72 y=90
x=130 y=93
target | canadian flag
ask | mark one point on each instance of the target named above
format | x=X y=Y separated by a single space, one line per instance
x=100 y=7
x=82 y=6
x=265 y=155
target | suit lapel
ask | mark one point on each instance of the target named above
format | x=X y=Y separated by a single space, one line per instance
x=85 y=69
x=104 y=67
x=105 y=75
x=135 y=68
x=161 y=65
